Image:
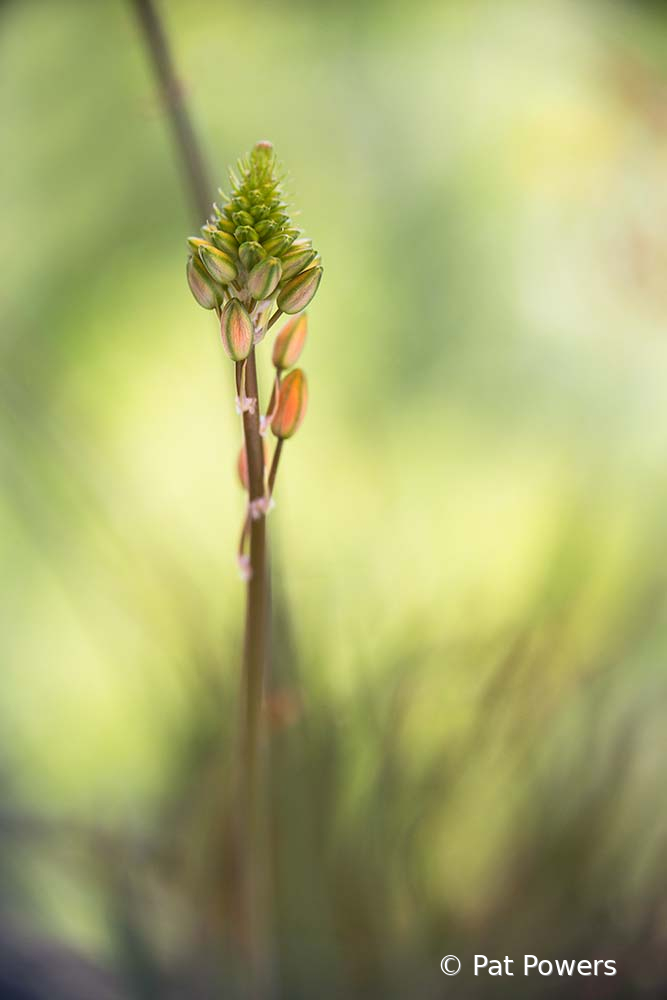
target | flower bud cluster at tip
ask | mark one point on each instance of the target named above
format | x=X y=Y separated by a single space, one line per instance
x=249 y=249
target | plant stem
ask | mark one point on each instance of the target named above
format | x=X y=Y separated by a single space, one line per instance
x=257 y=619
x=257 y=607
x=274 y=319
x=185 y=140
x=274 y=465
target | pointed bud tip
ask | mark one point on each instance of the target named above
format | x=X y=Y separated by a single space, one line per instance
x=289 y=342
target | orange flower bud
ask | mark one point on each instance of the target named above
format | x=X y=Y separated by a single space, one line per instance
x=291 y=406
x=289 y=343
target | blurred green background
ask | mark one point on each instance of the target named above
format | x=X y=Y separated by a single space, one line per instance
x=469 y=548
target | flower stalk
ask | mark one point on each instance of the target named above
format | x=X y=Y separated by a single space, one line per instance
x=250 y=265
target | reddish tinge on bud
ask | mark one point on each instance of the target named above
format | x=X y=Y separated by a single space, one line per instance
x=237 y=330
x=289 y=342
x=201 y=284
x=291 y=406
x=298 y=291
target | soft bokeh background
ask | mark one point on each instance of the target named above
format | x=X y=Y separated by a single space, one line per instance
x=468 y=699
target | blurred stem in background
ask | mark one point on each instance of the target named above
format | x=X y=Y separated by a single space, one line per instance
x=252 y=897
x=195 y=173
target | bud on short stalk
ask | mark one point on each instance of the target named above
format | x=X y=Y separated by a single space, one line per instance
x=289 y=342
x=291 y=406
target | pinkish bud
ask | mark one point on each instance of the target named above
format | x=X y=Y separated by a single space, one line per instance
x=237 y=330
x=289 y=343
x=291 y=406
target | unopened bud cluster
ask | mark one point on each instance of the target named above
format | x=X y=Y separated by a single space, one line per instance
x=249 y=262
x=249 y=249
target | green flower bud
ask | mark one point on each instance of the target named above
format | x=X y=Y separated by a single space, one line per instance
x=264 y=278
x=243 y=219
x=291 y=407
x=224 y=242
x=226 y=225
x=251 y=254
x=201 y=284
x=299 y=290
x=289 y=342
x=245 y=234
x=303 y=243
x=277 y=245
x=237 y=330
x=218 y=264
x=266 y=228
x=297 y=260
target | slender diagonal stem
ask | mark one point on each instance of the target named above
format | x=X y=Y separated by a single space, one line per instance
x=274 y=465
x=186 y=143
x=195 y=175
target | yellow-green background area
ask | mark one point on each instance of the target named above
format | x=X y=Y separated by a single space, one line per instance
x=469 y=534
